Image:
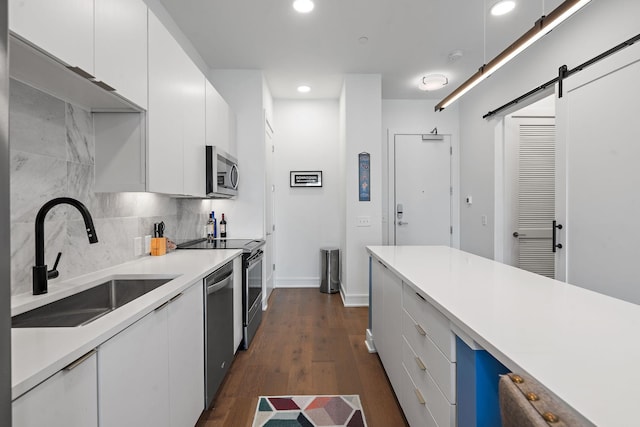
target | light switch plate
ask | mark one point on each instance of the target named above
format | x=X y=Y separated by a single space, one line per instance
x=363 y=221
x=147 y=244
x=137 y=246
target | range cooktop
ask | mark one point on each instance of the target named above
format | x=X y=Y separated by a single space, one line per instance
x=247 y=245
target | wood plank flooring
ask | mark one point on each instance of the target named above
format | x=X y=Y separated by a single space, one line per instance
x=308 y=343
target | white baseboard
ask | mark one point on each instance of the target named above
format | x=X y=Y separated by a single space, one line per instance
x=371 y=347
x=351 y=300
x=297 y=282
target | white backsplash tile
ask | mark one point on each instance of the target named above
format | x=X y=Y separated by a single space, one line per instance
x=36 y=122
x=80 y=141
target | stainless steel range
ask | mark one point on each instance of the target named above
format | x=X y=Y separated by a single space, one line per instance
x=252 y=258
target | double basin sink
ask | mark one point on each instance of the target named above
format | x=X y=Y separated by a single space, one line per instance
x=89 y=305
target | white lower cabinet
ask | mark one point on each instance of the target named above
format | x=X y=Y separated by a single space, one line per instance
x=237 y=303
x=133 y=380
x=417 y=349
x=67 y=399
x=152 y=372
x=186 y=357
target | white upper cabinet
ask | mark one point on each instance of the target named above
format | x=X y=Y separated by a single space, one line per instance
x=62 y=28
x=217 y=119
x=104 y=41
x=121 y=47
x=175 y=145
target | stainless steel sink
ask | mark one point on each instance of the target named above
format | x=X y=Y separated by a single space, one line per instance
x=87 y=306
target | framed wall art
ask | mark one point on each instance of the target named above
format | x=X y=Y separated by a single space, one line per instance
x=305 y=179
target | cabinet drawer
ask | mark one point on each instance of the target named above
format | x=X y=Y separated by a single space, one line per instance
x=413 y=404
x=434 y=323
x=437 y=404
x=440 y=368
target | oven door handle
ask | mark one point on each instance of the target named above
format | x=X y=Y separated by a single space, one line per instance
x=255 y=259
x=215 y=287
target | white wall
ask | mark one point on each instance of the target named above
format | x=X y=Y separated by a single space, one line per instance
x=413 y=116
x=243 y=90
x=307 y=218
x=360 y=124
x=596 y=28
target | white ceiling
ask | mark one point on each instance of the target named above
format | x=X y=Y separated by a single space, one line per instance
x=406 y=40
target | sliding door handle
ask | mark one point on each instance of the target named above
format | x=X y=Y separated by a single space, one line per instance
x=554 y=241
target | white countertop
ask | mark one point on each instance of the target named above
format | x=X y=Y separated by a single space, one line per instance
x=38 y=353
x=583 y=346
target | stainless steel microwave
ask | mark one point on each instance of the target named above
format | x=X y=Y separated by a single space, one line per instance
x=222 y=173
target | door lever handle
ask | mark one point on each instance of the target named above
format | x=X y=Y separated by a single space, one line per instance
x=402 y=223
x=516 y=234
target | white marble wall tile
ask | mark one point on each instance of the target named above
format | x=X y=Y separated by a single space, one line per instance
x=115 y=245
x=80 y=140
x=35 y=179
x=23 y=252
x=150 y=204
x=80 y=186
x=145 y=225
x=36 y=121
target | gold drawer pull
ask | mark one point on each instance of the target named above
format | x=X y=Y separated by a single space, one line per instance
x=419 y=396
x=532 y=397
x=420 y=364
x=420 y=330
x=550 y=418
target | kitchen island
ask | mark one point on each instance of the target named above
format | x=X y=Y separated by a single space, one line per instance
x=581 y=345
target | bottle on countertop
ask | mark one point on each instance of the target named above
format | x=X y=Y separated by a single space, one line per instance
x=210 y=227
x=223 y=228
x=215 y=224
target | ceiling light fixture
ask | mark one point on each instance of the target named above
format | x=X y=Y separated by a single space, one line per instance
x=540 y=28
x=304 y=89
x=502 y=7
x=433 y=82
x=303 y=6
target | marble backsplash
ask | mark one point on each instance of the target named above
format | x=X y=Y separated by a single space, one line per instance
x=53 y=155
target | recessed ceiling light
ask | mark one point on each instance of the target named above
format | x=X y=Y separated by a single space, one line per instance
x=303 y=6
x=304 y=89
x=503 y=7
x=433 y=82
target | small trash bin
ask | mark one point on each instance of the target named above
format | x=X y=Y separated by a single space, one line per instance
x=329 y=270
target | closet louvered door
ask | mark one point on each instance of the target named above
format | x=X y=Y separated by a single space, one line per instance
x=536 y=195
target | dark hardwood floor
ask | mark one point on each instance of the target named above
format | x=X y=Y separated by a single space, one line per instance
x=308 y=343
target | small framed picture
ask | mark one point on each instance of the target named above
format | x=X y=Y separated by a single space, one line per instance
x=305 y=179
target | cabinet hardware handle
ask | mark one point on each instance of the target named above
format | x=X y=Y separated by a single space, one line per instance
x=104 y=86
x=554 y=240
x=79 y=71
x=419 y=396
x=175 y=298
x=420 y=364
x=79 y=361
x=420 y=330
x=421 y=297
x=163 y=305
x=380 y=262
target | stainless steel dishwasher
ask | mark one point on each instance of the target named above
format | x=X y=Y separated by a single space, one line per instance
x=219 y=351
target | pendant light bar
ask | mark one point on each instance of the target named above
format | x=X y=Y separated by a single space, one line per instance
x=542 y=26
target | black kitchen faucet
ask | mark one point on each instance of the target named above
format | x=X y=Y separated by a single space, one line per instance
x=40 y=273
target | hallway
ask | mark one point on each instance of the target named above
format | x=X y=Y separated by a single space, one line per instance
x=308 y=343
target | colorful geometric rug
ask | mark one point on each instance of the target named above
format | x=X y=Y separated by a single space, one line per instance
x=309 y=411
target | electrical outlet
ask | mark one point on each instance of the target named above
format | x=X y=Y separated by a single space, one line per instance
x=147 y=244
x=137 y=246
x=484 y=220
x=363 y=221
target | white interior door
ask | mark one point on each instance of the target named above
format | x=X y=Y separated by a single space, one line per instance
x=529 y=181
x=598 y=179
x=269 y=209
x=423 y=190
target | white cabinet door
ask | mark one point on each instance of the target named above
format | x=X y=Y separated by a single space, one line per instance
x=67 y=399
x=164 y=146
x=237 y=303
x=218 y=119
x=193 y=118
x=121 y=47
x=62 y=28
x=387 y=321
x=186 y=357
x=133 y=380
